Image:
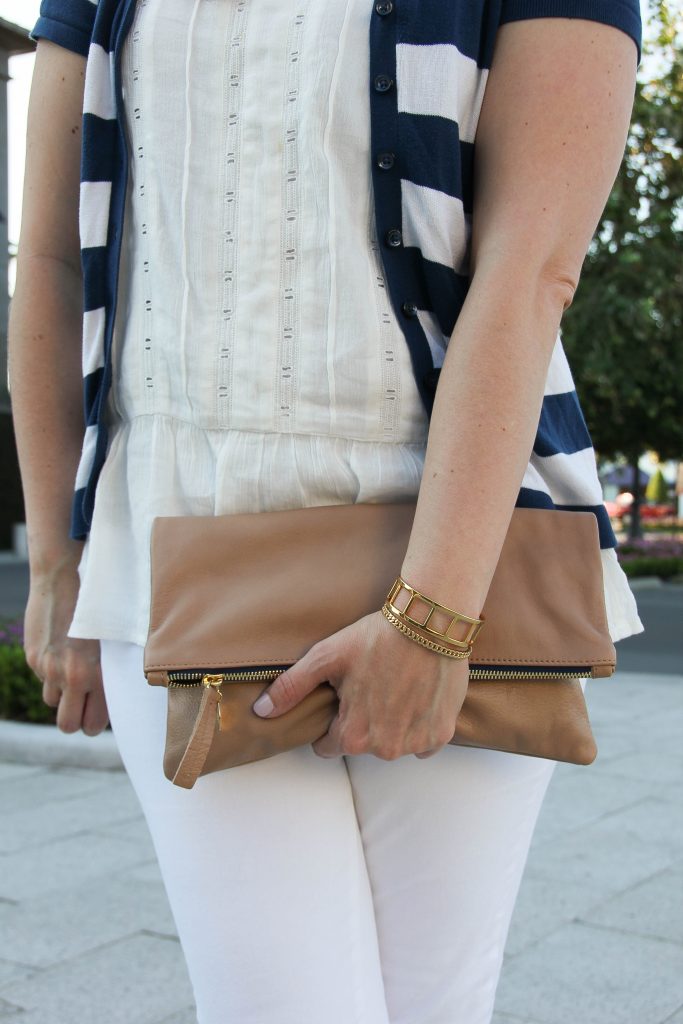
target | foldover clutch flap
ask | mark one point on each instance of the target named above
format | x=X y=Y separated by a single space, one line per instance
x=260 y=589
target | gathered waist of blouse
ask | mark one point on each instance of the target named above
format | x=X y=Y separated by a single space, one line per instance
x=160 y=466
x=137 y=422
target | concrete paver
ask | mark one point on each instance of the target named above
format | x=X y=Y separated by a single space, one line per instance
x=184 y=1017
x=34 y=871
x=66 y=816
x=10 y=1017
x=11 y=970
x=543 y=906
x=597 y=935
x=131 y=832
x=112 y=983
x=15 y=771
x=505 y=1018
x=595 y=976
x=577 y=800
x=38 y=789
x=48 y=930
x=661 y=765
x=613 y=853
x=653 y=909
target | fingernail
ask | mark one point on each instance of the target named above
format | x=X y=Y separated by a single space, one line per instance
x=264 y=705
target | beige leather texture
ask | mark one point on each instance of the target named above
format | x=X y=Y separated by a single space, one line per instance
x=259 y=589
x=543 y=719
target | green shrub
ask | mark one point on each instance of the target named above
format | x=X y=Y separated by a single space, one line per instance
x=663 y=567
x=669 y=524
x=21 y=692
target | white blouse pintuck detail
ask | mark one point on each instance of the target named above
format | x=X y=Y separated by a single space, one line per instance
x=284 y=394
x=230 y=120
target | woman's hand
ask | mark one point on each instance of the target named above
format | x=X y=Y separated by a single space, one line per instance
x=396 y=697
x=68 y=667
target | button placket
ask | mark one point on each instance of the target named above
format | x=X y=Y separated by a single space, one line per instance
x=386 y=157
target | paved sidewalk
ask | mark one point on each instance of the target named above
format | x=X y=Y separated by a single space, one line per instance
x=597 y=937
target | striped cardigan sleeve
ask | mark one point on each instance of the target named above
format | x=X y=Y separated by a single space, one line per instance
x=69 y=23
x=622 y=14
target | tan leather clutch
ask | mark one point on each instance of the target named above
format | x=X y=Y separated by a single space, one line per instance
x=237 y=598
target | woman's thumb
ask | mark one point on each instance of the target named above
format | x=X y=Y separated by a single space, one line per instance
x=287 y=690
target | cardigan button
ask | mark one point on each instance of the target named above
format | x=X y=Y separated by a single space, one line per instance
x=409 y=309
x=394 y=238
x=384 y=7
x=383 y=83
x=386 y=160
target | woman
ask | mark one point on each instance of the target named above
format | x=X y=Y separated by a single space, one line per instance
x=258 y=361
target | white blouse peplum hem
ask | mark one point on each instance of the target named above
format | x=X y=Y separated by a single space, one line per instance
x=158 y=465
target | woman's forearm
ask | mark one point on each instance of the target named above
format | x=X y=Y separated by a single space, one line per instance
x=484 y=421
x=44 y=348
x=543 y=172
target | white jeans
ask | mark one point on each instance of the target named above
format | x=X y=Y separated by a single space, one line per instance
x=350 y=890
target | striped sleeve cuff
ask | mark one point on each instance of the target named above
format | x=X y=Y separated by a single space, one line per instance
x=69 y=23
x=623 y=14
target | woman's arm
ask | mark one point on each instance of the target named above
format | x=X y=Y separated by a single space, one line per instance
x=46 y=384
x=549 y=144
x=47 y=307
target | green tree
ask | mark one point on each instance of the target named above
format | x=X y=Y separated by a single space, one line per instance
x=623 y=333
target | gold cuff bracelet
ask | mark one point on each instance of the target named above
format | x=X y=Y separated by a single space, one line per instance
x=400 y=609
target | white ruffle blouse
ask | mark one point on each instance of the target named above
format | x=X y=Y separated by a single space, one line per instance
x=257 y=361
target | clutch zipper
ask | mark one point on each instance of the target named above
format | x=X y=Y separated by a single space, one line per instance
x=196 y=677
x=490 y=673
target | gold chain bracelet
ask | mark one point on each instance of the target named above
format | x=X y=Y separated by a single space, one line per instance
x=439 y=648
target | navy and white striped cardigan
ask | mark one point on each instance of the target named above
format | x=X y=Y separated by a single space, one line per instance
x=429 y=61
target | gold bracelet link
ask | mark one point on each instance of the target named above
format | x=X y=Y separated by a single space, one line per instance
x=448 y=651
x=434 y=610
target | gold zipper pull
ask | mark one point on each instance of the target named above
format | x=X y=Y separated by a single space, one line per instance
x=216 y=680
